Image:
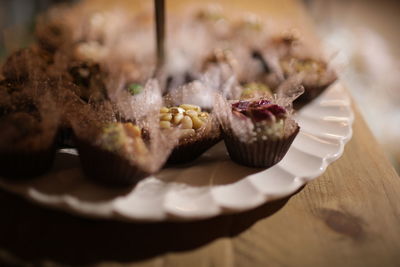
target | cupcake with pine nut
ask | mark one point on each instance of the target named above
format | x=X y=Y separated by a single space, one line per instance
x=197 y=130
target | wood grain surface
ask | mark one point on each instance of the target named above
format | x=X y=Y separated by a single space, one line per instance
x=349 y=216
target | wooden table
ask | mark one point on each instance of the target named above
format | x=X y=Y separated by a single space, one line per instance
x=349 y=216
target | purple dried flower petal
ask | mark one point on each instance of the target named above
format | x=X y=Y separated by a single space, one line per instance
x=260 y=110
x=241 y=105
x=260 y=103
x=278 y=111
x=261 y=115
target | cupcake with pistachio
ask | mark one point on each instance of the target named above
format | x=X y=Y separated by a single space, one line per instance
x=315 y=75
x=197 y=130
x=257 y=133
x=287 y=57
x=121 y=144
x=117 y=155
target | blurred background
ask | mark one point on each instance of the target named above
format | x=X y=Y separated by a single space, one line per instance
x=365 y=35
x=362 y=34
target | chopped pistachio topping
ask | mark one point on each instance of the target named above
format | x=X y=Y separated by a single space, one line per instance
x=302 y=65
x=135 y=88
x=212 y=15
x=253 y=90
x=123 y=138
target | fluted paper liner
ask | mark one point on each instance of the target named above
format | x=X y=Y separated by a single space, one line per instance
x=260 y=153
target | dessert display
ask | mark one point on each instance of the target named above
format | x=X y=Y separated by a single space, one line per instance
x=102 y=92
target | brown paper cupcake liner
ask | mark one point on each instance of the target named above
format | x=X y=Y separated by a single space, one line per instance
x=22 y=165
x=310 y=93
x=259 y=154
x=190 y=151
x=65 y=138
x=106 y=167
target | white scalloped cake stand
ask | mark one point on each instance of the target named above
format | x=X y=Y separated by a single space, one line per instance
x=211 y=185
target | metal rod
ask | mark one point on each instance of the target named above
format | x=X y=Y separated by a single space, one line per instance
x=159 y=6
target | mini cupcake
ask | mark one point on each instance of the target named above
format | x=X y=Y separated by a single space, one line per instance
x=315 y=74
x=223 y=59
x=89 y=79
x=24 y=65
x=214 y=21
x=69 y=102
x=116 y=155
x=27 y=138
x=286 y=57
x=121 y=144
x=258 y=133
x=198 y=131
x=260 y=67
x=51 y=32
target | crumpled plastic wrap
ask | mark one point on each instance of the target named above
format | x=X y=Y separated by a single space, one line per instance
x=90 y=119
x=244 y=129
x=202 y=93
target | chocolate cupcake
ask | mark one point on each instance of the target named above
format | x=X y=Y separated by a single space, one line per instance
x=24 y=65
x=89 y=79
x=116 y=154
x=258 y=133
x=197 y=129
x=26 y=154
x=27 y=139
